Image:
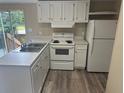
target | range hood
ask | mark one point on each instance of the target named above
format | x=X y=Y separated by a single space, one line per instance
x=62 y=24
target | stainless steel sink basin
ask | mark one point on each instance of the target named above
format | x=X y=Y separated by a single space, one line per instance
x=32 y=47
x=35 y=45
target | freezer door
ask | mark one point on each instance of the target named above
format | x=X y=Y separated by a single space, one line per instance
x=100 y=56
x=105 y=28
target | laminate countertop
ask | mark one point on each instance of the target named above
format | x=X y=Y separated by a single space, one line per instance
x=80 y=41
x=16 y=58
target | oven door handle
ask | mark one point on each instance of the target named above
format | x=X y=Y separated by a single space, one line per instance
x=62 y=47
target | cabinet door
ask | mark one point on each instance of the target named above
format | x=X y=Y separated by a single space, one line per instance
x=56 y=10
x=44 y=64
x=39 y=70
x=36 y=77
x=80 y=58
x=80 y=12
x=42 y=69
x=68 y=11
x=43 y=12
x=47 y=56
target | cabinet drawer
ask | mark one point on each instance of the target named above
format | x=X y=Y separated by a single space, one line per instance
x=78 y=47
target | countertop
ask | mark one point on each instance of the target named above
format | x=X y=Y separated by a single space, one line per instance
x=16 y=58
x=80 y=40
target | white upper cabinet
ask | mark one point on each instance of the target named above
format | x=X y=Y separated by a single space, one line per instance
x=81 y=11
x=43 y=12
x=63 y=11
x=68 y=11
x=56 y=10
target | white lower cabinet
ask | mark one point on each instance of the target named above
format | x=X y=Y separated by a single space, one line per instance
x=80 y=56
x=39 y=71
x=25 y=79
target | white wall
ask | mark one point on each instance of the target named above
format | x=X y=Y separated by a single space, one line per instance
x=115 y=78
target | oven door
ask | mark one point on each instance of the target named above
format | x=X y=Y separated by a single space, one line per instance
x=62 y=52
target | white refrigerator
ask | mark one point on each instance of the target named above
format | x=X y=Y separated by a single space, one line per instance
x=100 y=36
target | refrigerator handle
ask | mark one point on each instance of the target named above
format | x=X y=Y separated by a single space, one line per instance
x=92 y=48
x=93 y=40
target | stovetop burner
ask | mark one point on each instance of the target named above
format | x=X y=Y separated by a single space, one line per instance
x=56 y=41
x=68 y=41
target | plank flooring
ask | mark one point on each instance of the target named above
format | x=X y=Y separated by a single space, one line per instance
x=78 y=81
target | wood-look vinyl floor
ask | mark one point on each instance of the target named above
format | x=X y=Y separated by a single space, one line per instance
x=78 y=81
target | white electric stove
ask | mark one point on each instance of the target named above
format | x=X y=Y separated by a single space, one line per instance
x=62 y=51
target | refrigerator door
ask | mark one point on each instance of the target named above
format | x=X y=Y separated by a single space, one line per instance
x=90 y=35
x=100 y=57
x=105 y=28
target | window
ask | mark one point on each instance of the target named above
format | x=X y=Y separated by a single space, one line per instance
x=2 y=39
x=12 y=29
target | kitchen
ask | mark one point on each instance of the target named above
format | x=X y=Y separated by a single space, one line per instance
x=36 y=31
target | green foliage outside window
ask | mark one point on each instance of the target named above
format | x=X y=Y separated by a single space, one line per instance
x=12 y=20
x=13 y=23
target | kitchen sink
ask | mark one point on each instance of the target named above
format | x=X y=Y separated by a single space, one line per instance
x=35 y=45
x=32 y=47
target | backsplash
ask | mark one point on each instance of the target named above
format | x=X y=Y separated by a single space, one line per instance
x=46 y=30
